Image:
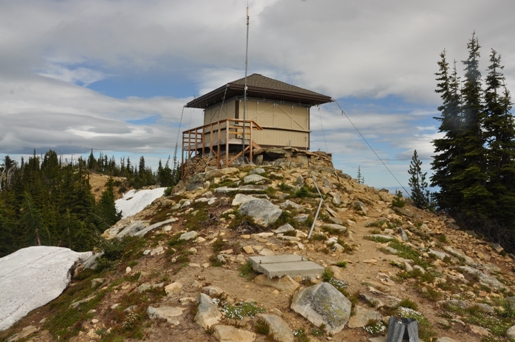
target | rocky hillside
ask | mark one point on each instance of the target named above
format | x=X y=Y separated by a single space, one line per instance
x=179 y=270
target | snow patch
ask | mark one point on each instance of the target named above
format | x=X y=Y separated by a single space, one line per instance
x=135 y=201
x=32 y=277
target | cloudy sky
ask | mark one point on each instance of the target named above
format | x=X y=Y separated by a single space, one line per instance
x=113 y=76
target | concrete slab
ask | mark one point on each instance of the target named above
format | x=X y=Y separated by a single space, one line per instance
x=281 y=265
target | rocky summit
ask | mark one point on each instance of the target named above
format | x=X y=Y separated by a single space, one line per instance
x=179 y=269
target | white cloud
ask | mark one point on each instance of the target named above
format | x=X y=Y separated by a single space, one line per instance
x=345 y=49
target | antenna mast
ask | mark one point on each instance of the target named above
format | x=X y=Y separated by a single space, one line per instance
x=245 y=90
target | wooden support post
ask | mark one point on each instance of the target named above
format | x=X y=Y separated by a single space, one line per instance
x=227 y=143
x=218 y=148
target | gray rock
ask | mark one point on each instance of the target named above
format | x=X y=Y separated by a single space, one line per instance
x=276 y=153
x=253 y=179
x=25 y=332
x=148 y=286
x=484 y=278
x=211 y=290
x=262 y=211
x=227 y=333
x=360 y=206
x=438 y=254
x=279 y=330
x=170 y=313
x=284 y=228
x=445 y=339
x=404 y=236
x=460 y=255
x=510 y=333
x=465 y=304
x=242 y=198
x=376 y=303
x=188 y=236
x=301 y=218
x=207 y=314
x=290 y=204
x=144 y=231
x=285 y=283
x=337 y=199
x=335 y=220
x=380 y=236
x=196 y=181
x=323 y=304
x=337 y=227
x=363 y=316
x=257 y=171
x=132 y=228
x=92 y=261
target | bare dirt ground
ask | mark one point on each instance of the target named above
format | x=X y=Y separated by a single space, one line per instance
x=364 y=265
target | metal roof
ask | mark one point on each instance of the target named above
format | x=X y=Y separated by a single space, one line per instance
x=259 y=86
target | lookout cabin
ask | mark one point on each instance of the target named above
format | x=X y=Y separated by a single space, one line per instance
x=277 y=114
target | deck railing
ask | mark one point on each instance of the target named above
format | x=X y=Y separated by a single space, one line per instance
x=218 y=136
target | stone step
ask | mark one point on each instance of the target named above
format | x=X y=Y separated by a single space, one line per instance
x=281 y=265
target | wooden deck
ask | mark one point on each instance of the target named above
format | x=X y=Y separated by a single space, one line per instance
x=218 y=137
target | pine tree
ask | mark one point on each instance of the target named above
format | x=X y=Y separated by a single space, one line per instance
x=477 y=200
x=499 y=131
x=417 y=182
x=360 y=177
x=106 y=208
x=448 y=148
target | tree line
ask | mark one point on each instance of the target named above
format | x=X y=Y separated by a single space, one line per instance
x=46 y=202
x=474 y=162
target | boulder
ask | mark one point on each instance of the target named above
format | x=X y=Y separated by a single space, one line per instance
x=131 y=229
x=253 y=179
x=227 y=333
x=337 y=227
x=207 y=314
x=196 y=181
x=188 y=236
x=510 y=333
x=169 y=313
x=279 y=329
x=323 y=304
x=290 y=204
x=173 y=288
x=242 y=198
x=484 y=278
x=360 y=207
x=262 y=211
x=285 y=283
x=276 y=153
x=363 y=316
x=257 y=171
x=284 y=228
x=144 y=231
x=25 y=332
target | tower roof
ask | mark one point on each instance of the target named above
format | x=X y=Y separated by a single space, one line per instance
x=259 y=86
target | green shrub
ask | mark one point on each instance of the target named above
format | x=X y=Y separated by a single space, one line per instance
x=261 y=327
x=398 y=201
x=408 y=303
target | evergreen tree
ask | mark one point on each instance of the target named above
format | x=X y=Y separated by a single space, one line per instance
x=447 y=148
x=499 y=130
x=106 y=207
x=361 y=179
x=92 y=163
x=477 y=200
x=417 y=182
